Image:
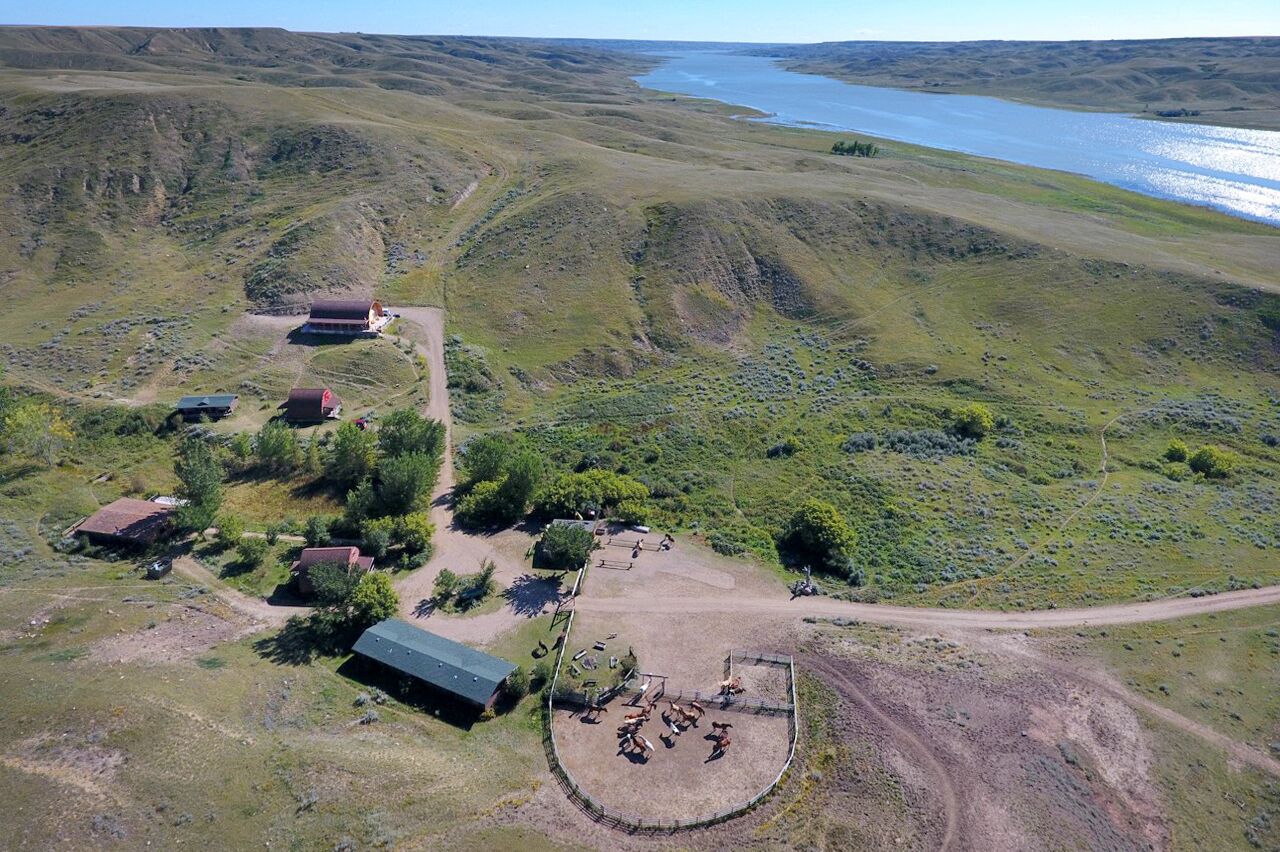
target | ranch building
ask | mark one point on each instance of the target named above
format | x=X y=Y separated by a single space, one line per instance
x=311 y=405
x=470 y=676
x=126 y=521
x=312 y=556
x=346 y=316
x=212 y=406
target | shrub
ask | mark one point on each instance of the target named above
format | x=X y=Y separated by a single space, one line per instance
x=446 y=585
x=316 y=532
x=541 y=675
x=859 y=442
x=414 y=531
x=277 y=448
x=377 y=533
x=405 y=482
x=373 y=599
x=974 y=420
x=518 y=683
x=784 y=449
x=1212 y=462
x=1177 y=471
x=565 y=548
x=404 y=431
x=578 y=494
x=1176 y=451
x=230 y=529
x=928 y=443
x=480 y=504
x=252 y=551
x=818 y=535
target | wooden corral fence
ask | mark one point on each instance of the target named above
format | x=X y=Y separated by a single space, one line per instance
x=639 y=825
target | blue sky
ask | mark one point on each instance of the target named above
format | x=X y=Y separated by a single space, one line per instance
x=710 y=20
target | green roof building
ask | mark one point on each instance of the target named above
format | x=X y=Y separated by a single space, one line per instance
x=465 y=673
x=211 y=405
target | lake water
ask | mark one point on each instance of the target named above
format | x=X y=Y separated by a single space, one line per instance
x=1234 y=170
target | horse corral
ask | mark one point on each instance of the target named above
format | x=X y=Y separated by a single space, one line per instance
x=692 y=736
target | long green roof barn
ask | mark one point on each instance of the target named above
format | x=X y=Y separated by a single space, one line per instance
x=468 y=674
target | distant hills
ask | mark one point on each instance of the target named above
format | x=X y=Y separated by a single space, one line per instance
x=1232 y=81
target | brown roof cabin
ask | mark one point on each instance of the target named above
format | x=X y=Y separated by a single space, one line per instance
x=345 y=316
x=312 y=556
x=126 y=521
x=311 y=405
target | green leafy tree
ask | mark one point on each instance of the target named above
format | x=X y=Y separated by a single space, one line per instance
x=480 y=504
x=522 y=474
x=313 y=462
x=485 y=458
x=376 y=534
x=1177 y=451
x=241 y=447
x=35 y=430
x=251 y=552
x=333 y=582
x=541 y=675
x=1212 y=462
x=230 y=529
x=374 y=599
x=353 y=455
x=277 y=448
x=199 y=484
x=576 y=494
x=316 y=531
x=405 y=482
x=414 y=532
x=818 y=535
x=974 y=420
x=445 y=586
x=565 y=548
x=362 y=503
x=404 y=431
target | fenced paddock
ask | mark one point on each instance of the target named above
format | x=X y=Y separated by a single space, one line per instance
x=676 y=778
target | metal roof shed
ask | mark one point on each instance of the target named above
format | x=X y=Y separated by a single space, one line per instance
x=471 y=675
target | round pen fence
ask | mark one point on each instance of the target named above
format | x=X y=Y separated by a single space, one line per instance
x=636 y=824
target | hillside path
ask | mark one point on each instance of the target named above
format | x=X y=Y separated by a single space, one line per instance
x=255 y=608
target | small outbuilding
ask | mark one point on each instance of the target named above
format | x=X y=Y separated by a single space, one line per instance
x=212 y=406
x=311 y=405
x=346 y=316
x=126 y=521
x=312 y=556
x=464 y=673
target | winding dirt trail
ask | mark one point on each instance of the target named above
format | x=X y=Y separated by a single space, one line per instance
x=906 y=739
x=254 y=608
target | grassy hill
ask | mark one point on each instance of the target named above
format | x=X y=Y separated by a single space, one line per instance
x=719 y=308
x=1231 y=81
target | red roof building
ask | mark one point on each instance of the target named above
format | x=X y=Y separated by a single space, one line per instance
x=312 y=556
x=311 y=405
x=126 y=521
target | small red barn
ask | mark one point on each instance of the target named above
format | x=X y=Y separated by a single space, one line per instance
x=311 y=405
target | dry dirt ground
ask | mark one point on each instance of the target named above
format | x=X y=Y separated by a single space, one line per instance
x=678 y=780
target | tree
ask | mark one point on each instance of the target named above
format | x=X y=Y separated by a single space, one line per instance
x=333 y=583
x=377 y=533
x=1212 y=462
x=374 y=599
x=230 y=529
x=316 y=531
x=565 y=548
x=818 y=535
x=576 y=494
x=445 y=586
x=277 y=448
x=353 y=455
x=313 y=464
x=1177 y=451
x=252 y=551
x=480 y=504
x=974 y=420
x=405 y=431
x=405 y=482
x=199 y=484
x=523 y=472
x=484 y=458
x=362 y=503
x=414 y=532
x=35 y=430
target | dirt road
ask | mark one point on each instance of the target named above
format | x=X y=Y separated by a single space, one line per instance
x=1132 y=613
x=255 y=608
x=457 y=549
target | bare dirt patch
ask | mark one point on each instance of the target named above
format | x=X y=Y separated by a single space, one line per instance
x=184 y=633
